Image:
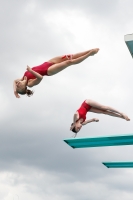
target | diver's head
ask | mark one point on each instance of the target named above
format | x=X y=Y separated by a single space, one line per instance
x=77 y=127
x=21 y=88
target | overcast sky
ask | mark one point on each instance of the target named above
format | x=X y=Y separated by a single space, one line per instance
x=35 y=162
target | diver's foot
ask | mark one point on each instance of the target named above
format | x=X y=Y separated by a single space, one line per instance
x=125 y=117
x=93 y=51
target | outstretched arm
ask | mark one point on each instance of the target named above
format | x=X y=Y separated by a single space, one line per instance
x=75 y=118
x=14 y=87
x=90 y=120
x=38 y=76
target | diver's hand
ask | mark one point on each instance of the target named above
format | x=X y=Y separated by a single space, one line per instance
x=96 y=120
x=16 y=94
x=29 y=69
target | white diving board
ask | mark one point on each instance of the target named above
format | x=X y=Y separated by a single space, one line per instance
x=129 y=42
x=100 y=141
x=119 y=164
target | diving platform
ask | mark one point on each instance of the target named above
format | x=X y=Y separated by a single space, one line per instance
x=118 y=164
x=129 y=42
x=100 y=141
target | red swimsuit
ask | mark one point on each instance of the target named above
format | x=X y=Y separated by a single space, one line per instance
x=84 y=108
x=41 y=69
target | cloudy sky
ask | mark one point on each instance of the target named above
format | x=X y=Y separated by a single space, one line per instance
x=35 y=163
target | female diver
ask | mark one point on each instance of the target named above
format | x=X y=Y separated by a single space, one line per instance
x=35 y=75
x=79 y=118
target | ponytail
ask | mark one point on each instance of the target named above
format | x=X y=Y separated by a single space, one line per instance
x=29 y=92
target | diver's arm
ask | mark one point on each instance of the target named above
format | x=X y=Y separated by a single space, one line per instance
x=75 y=117
x=14 y=87
x=37 y=75
x=90 y=120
